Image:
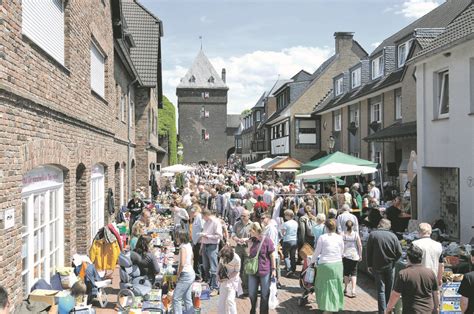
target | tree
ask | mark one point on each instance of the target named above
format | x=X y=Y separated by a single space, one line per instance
x=167 y=127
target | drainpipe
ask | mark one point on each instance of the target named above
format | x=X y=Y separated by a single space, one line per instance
x=129 y=144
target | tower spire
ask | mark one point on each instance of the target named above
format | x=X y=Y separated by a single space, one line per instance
x=200 y=38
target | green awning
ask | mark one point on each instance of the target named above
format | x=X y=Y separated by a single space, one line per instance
x=336 y=157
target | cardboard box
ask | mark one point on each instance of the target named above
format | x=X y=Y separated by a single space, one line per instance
x=45 y=296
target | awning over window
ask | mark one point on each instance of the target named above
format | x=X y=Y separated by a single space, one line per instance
x=393 y=132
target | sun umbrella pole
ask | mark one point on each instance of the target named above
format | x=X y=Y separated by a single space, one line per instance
x=337 y=197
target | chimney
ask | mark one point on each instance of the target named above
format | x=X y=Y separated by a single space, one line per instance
x=343 y=39
x=223 y=75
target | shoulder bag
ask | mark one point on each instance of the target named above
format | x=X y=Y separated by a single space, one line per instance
x=251 y=265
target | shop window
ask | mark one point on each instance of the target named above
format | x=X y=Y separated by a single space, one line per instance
x=305 y=131
x=42 y=248
x=97 y=199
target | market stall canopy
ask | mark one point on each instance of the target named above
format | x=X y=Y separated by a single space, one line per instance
x=167 y=174
x=337 y=157
x=177 y=168
x=336 y=170
x=267 y=166
x=287 y=164
x=257 y=166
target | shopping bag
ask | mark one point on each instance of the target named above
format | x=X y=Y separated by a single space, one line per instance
x=273 y=300
x=310 y=275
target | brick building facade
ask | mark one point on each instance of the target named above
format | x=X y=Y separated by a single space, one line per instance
x=67 y=134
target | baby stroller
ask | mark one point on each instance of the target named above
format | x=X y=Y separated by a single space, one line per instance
x=132 y=284
x=308 y=287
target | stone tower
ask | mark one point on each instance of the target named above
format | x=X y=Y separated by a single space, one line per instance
x=202 y=108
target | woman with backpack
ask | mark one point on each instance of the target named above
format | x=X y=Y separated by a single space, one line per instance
x=305 y=227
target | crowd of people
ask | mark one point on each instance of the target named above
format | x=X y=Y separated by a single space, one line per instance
x=237 y=231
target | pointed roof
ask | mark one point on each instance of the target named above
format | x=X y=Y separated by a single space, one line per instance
x=202 y=75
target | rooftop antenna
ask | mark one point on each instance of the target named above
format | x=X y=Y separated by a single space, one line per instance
x=200 y=38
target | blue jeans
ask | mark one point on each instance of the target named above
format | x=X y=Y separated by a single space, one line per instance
x=264 y=282
x=209 y=261
x=384 y=282
x=182 y=292
x=289 y=252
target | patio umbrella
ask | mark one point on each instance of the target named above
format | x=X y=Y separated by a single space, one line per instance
x=178 y=168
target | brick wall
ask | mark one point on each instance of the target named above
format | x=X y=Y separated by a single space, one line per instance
x=48 y=115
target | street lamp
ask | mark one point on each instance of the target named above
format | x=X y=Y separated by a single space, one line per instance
x=331 y=143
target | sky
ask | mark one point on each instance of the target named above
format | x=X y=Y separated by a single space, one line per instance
x=259 y=41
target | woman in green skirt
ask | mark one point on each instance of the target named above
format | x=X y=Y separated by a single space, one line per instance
x=328 y=255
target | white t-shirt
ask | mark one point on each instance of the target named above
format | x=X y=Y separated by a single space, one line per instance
x=188 y=262
x=329 y=249
x=432 y=251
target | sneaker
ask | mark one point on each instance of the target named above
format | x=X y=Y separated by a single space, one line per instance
x=214 y=293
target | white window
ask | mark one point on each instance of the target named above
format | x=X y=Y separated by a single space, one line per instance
x=305 y=131
x=97 y=199
x=355 y=154
x=403 y=52
x=337 y=121
x=377 y=67
x=257 y=116
x=122 y=186
x=375 y=114
x=354 y=116
x=42 y=248
x=205 y=95
x=122 y=107
x=339 y=86
x=43 y=23
x=356 y=78
x=443 y=94
x=398 y=105
x=97 y=71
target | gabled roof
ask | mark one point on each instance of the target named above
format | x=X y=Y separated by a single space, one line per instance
x=202 y=75
x=261 y=101
x=277 y=86
x=365 y=89
x=439 y=17
x=461 y=28
x=146 y=30
x=424 y=36
x=301 y=76
x=320 y=70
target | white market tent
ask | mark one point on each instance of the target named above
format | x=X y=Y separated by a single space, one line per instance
x=336 y=170
x=178 y=168
x=257 y=166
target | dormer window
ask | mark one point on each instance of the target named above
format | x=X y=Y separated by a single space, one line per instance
x=211 y=80
x=377 y=67
x=192 y=79
x=403 y=52
x=356 y=78
x=339 y=86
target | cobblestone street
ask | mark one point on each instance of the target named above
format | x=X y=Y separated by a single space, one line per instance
x=288 y=295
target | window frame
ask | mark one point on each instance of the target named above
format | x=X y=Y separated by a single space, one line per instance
x=97 y=199
x=372 y=112
x=407 y=46
x=337 y=118
x=358 y=72
x=299 y=130
x=258 y=117
x=339 y=86
x=398 y=104
x=30 y=31
x=441 y=75
x=379 y=62
x=95 y=47
x=354 y=117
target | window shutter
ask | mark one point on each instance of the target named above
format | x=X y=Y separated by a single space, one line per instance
x=97 y=71
x=43 y=23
